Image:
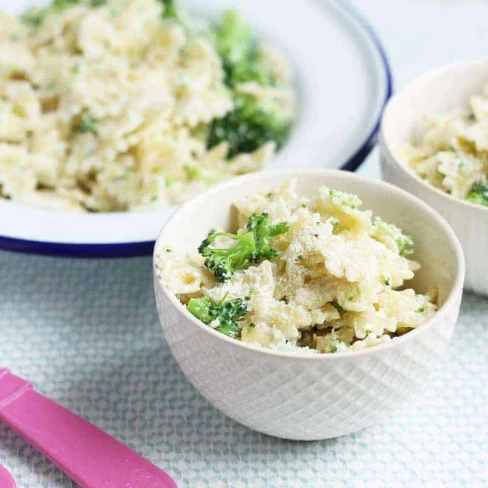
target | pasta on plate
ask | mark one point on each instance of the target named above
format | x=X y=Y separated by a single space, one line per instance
x=122 y=105
x=301 y=274
x=452 y=152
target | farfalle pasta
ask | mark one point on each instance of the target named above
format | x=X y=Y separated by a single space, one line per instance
x=451 y=152
x=122 y=105
x=305 y=274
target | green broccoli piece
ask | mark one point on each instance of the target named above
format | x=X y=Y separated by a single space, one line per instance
x=226 y=313
x=247 y=127
x=233 y=40
x=192 y=172
x=260 y=226
x=200 y=308
x=383 y=230
x=240 y=59
x=62 y=4
x=249 y=70
x=87 y=124
x=170 y=9
x=405 y=245
x=479 y=193
x=345 y=199
x=33 y=17
x=224 y=262
x=250 y=247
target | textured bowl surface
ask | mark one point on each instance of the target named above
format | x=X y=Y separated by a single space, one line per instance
x=323 y=396
x=442 y=90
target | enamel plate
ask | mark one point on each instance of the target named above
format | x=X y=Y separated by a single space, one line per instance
x=343 y=83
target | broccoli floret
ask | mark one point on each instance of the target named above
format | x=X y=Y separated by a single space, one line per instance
x=260 y=226
x=345 y=199
x=249 y=70
x=250 y=247
x=240 y=59
x=479 y=193
x=247 y=127
x=405 y=245
x=233 y=40
x=62 y=4
x=33 y=17
x=224 y=262
x=170 y=9
x=192 y=172
x=200 y=308
x=234 y=37
x=227 y=314
x=382 y=231
x=86 y=125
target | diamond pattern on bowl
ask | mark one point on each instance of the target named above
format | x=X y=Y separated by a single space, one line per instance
x=304 y=398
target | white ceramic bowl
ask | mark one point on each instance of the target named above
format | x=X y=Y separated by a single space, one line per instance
x=444 y=89
x=343 y=82
x=323 y=396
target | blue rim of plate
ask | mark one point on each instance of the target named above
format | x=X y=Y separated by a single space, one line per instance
x=145 y=248
x=353 y=163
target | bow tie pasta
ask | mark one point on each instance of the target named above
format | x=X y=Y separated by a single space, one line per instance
x=452 y=152
x=314 y=275
x=120 y=105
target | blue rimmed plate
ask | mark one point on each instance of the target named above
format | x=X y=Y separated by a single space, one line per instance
x=343 y=82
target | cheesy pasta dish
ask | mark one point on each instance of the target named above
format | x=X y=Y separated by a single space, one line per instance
x=452 y=152
x=122 y=105
x=306 y=274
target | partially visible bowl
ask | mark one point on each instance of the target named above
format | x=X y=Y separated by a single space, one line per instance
x=310 y=397
x=444 y=89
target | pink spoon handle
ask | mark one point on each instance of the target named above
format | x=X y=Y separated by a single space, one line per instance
x=89 y=456
x=6 y=480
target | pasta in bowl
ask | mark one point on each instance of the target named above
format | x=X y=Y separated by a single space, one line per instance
x=302 y=274
x=432 y=145
x=451 y=153
x=292 y=373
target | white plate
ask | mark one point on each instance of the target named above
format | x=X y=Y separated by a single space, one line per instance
x=343 y=81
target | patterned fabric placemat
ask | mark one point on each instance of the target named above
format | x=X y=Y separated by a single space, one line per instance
x=86 y=333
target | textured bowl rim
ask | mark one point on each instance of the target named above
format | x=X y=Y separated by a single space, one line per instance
x=416 y=83
x=453 y=242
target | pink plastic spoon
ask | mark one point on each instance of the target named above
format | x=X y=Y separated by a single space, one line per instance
x=6 y=480
x=89 y=456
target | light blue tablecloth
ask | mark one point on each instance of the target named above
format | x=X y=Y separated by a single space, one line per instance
x=86 y=334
